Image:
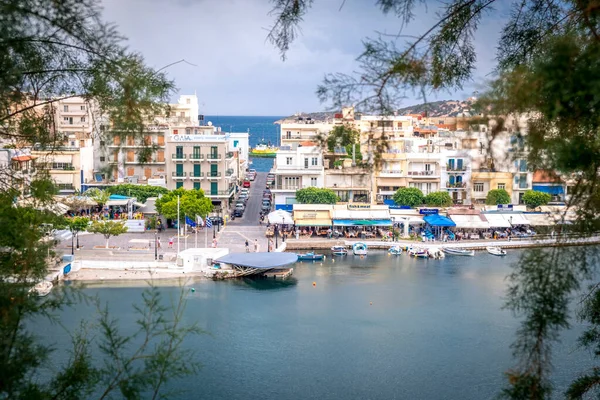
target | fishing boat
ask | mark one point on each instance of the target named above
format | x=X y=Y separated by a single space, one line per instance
x=310 y=257
x=497 y=251
x=396 y=250
x=339 y=250
x=359 y=249
x=262 y=150
x=418 y=252
x=42 y=289
x=458 y=252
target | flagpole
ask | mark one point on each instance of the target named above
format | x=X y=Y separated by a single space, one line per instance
x=197 y=225
x=205 y=234
x=178 y=225
x=185 y=233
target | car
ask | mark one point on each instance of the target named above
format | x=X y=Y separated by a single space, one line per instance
x=265 y=209
x=216 y=220
x=251 y=177
x=244 y=190
x=238 y=213
x=252 y=171
x=246 y=184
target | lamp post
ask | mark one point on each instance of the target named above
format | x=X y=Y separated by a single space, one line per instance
x=155 y=247
x=282 y=235
x=275 y=231
x=214 y=233
x=72 y=243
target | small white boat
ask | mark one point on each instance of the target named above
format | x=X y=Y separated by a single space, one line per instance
x=339 y=250
x=359 y=249
x=418 y=252
x=497 y=251
x=396 y=250
x=42 y=289
x=437 y=254
x=458 y=252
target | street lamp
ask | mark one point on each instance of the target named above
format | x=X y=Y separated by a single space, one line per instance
x=155 y=247
x=72 y=243
x=214 y=233
x=282 y=235
x=275 y=231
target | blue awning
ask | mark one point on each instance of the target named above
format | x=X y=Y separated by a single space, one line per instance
x=438 y=220
x=362 y=222
x=554 y=190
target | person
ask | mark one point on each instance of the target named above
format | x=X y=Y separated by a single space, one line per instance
x=247 y=247
x=158 y=242
x=256 y=245
x=215 y=243
x=171 y=242
x=329 y=232
x=271 y=247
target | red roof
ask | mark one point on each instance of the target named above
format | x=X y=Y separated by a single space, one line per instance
x=24 y=158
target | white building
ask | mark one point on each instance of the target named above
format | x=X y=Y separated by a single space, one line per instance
x=296 y=167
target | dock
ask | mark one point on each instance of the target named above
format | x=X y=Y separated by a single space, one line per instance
x=279 y=274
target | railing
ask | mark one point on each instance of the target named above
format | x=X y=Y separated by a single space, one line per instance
x=177 y=157
x=196 y=175
x=65 y=186
x=392 y=171
x=213 y=156
x=38 y=147
x=287 y=187
x=213 y=174
x=297 y=167
x=196 y=157
x=455 y=168
x=221 y=192
x=456 y=185
x=176 y=174
x=421 y=173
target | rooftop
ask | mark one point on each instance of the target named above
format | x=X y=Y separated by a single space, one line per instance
x=262 y=260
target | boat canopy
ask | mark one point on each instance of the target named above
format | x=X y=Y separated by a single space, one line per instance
x=438 y=220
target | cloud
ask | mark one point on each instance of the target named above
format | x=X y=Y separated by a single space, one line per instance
x=238 y=72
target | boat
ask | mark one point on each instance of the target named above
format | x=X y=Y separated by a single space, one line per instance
x=458 y=252
x=497 y=251
x=339 y=250
x=42 y=289
x=262 y=150
x=396 y=250
x=418 y=252
x=310 y=257
x=359 y=249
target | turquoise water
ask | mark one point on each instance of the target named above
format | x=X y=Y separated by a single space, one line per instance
x=261 y=128
x=381 y=327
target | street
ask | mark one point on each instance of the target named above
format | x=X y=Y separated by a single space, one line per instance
x=254 y=204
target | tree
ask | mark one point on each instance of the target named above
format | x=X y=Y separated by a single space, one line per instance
x=438 y=199
x=497 y=196
x=99 y=196
x=191 y=203
x=313 y=195
x=108 y=229
x=547 y=71
x=534 y=199
x=140 y=192
x=409 y=196
x=76 y=225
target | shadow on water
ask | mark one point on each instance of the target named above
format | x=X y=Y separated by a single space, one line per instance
x=265 y=283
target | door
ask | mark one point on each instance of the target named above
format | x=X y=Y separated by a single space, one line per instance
x=147 y=173
x=130 y=156
x=130 y=171
x=451 y=164
x=214 y=170
x=196 y=152
x=179 y=169
x=214 y=151
x=179 y=151
x=197 y=185
x=160 y=156
x=459 y=164
x=196 y=170
x=214 y=188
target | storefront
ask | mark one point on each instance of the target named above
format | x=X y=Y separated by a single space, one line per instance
x=406 y=218
x=313 y=215
x=361 y=220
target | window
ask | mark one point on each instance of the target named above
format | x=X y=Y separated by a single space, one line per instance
x=187 y=101
x=82 y=119
x=73 y=143
x=478 y=187
x=66 y=108
x=313 y=181
x=102 y=159
x=288 y=161
x=178 y=185
x=315 y=161
x=196 y=185
x=82 y=108
x=502 y=186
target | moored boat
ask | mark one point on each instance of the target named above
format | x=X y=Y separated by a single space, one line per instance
x=418 y=252
x=458 y=252
x=497 y=251
x=42 y=289
x=359 y=249
x=396 y=250
x=310 y=257
x=262 y=150
x=339 y=250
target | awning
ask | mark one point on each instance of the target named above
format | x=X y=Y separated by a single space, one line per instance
x=411 y=219
x=470 y=222
x=554 y=190
x=540 y=219
x=23 y=158
x=138 y=204
x=496 y=221
x=361 y=214
x=313 y=222
x=117 y=202
x=438 y=220
x=515 y=219
x=362 y=222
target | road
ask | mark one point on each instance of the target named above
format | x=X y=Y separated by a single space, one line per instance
x=254 y=204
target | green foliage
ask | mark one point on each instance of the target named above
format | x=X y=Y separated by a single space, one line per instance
x=313 y=195
x=78 y=224
x=192 y=203
x=342 y=136
x=497 y=196
x=108 y=229
x=438 y=199
x=140 y=192
x=99 y=196
x=409 y=196
x=533 y=198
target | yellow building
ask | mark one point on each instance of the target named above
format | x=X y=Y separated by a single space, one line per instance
x=483 y=181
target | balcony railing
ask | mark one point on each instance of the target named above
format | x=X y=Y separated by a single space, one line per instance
x=227 y=192
x=178 y=157
x=455 y=168
x=213 y=175
x=456 y=185
x=392 y=171
x=421 y=173
x=196 y=157
x=195 y=176
x=287 y=187
x=178 y=175
x=65 y=186
x=214 y=156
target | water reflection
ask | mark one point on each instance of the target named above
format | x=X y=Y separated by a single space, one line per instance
x=265 y=283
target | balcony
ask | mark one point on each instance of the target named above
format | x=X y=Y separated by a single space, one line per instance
x=421 y=174
x=287 y=187
x=196 y=176
x=179 y=176
x=390 y=173
x=196 y=158
x=65 y=187
x=454 y=168
x=214 y=157
x=220 y=193
x=456 y=185
x=178 y=157
x=213 y=175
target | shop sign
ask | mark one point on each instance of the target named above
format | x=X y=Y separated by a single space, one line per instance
x=309 y=215
x=358 y=206
x=428 y=211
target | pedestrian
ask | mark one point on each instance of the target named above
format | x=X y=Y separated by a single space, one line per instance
x=329 y=232
x=247 y=247
x=171 y=239
x=256 y=245
x=215 y=243
x=270 y=244
x=158 y=242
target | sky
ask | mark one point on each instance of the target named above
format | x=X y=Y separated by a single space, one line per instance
x=236 y=71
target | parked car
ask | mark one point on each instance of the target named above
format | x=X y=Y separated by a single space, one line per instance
x=251 y=177
x=246 y=184
x=252 y=171
x=238 y=213
x=216 y=220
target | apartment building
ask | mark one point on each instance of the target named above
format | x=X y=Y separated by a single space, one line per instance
x=202 y=158
x=297 y=166
x=303 y=130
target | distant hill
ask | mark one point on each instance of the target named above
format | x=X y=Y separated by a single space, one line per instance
x=443 y=108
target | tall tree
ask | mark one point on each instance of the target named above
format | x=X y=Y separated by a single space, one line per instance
x=409 y=196
x=497 y=196
x=547 y=69
x=192 y=203
x=76 y=225
x=108 y=229
x=313 y=195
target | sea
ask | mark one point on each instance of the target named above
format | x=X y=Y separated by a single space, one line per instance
x=376 y=327
x=262 y=129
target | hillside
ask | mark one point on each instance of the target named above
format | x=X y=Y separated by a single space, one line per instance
x=443 y=108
